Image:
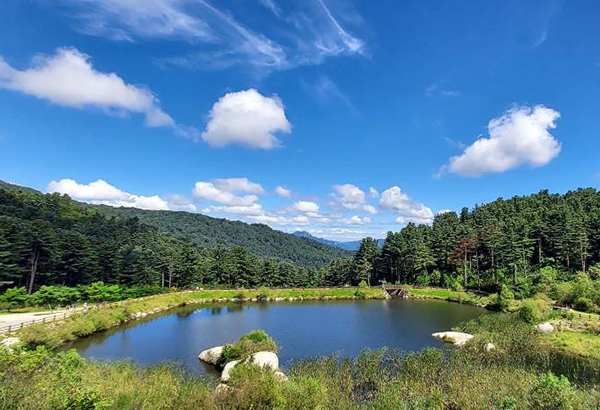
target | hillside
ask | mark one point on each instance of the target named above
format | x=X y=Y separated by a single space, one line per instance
x=208 y=232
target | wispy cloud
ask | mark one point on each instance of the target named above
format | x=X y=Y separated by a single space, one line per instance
x=441 y=89
x=215 y=38
x=325 y=91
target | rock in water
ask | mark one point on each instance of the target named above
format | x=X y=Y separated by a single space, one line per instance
x=265 y=359
x=226 y=375
x=545 y=327
x=458 y=338
x=212 y=355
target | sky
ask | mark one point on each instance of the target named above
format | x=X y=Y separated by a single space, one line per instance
x=345 y=119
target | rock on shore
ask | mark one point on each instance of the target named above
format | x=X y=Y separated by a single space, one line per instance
x=457 y=338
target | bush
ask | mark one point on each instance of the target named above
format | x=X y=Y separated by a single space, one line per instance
x=583 y=304
x=255 y=341
x=456 y=286
x=14 y=298
x=553 y=393
x=504 y=299
x=360 y=294
x=533 y=311
x=363 y=284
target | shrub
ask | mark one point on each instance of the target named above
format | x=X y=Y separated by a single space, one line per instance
x=239 y=296
x=456 y=286
x=363 y=284
x=553 y=393
x=504 y=299
x=534 y=310
x=360 y=294
x=14 y=298
x=583 y=304
x=263 y=294
x=255 y=341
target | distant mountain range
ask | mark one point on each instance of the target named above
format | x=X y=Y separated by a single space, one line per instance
x=349 y=246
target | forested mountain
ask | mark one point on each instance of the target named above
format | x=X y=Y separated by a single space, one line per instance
x=523 y=242
x=49 y=239
x=209 y=232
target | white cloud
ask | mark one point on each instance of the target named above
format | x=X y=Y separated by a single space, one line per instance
x=253 y=209
x=122 y=20
x=306 y=206
x=441 y=89
x=520 y=136
x=246 y=118
x=358 y=220
x=284 y=192
x=238 y=185
x=101 y=192
x=394 y=200
x=208 y=191
x=351 y=197
x=373 y=192
x=67 y=78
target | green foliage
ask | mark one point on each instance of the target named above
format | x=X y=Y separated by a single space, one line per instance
x=360 y=294
x=553 y=393
x=363 y=284
x=14 y=298
x=583 y=304
x=533 y=311
x=504 y=299
x=255 y=341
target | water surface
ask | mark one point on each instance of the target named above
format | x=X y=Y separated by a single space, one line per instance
x=302 y=329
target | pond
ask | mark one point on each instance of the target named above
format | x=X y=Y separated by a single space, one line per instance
x=302 y=329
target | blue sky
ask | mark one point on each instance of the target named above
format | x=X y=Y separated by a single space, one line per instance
x=342 y=118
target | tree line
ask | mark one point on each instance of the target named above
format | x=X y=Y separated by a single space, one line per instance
x=511 y=242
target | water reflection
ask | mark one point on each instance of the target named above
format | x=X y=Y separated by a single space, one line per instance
x=302 y=329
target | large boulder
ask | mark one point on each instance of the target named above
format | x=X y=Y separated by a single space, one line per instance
x=9 y=342
x=212 y=355
x=545 y=327
x=226 y=375
x=457 y=338
x=265 y=359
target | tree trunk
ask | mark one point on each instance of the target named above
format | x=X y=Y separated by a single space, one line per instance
x=35 y=256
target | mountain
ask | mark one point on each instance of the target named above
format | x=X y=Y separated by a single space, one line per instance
x=209 y=232
x=348 y=246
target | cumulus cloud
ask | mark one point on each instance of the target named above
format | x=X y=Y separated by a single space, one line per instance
x=351 y=197
x=306 y=206
x=246 y=118
x=284 y=192
x=68 y=78
x=101 y=192
x=209 y=192
x=238 y=185
x=373 y=192
x=520 y=136
x=394 y=200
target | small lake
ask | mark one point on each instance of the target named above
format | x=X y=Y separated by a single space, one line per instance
x=302 y=329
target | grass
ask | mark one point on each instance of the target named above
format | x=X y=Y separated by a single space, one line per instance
x=54 y=334
x=467 y=298
x=579 y=343
x=253 y=342
x=465 y=378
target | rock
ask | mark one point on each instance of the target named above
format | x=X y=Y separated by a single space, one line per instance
x=458 y=338
x=281 y=377
x=211 y=355
x=545 y=327
x=489 y=347
x=226 y=375
x=8 y=342
x=265 y=359
x=279 y=299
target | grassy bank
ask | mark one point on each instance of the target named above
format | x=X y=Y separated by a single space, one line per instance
x=449 y=295
x=53 y=334
x=514 y=376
